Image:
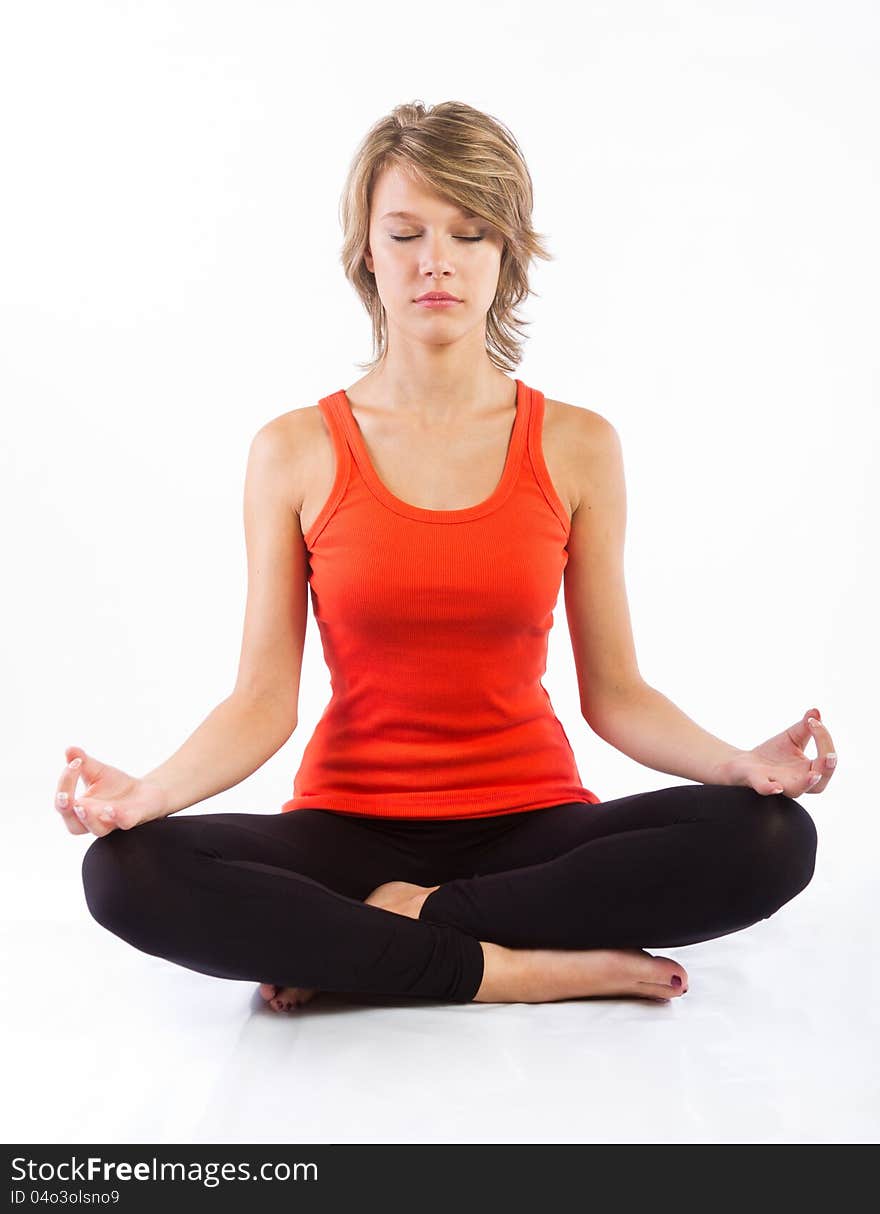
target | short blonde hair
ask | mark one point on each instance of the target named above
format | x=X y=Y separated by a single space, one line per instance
x=471 y=159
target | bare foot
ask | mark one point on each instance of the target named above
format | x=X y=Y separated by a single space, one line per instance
x=401 y=897
x=283 y=998
x=543 y=975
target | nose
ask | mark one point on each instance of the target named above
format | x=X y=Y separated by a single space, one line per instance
x=435 y=258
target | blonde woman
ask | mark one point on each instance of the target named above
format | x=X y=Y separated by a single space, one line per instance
x=439 y=842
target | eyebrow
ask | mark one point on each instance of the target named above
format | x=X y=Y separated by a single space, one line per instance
x=409 y=214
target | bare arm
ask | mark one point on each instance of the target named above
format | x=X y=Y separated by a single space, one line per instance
x=251 y=724
x=235 y=739
x=625 y=711
x=649 y=728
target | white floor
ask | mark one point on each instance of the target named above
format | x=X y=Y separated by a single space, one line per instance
x=775 y=1042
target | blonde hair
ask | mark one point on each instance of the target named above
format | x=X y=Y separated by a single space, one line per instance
x=471 y=159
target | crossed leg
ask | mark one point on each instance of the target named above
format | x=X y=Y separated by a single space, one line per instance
x=277 y=898
x=576 y=891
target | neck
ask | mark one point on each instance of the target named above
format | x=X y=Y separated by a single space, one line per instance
x=438 y=392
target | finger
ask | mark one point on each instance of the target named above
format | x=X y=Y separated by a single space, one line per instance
x=802 y=731
x=826 y=757
x=65 y=791
x=90 y=769
x=71 y=820
x=768 y=785
x=92 y=815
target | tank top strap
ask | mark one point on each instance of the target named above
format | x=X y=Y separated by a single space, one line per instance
x=329 y=406
x=536 y=458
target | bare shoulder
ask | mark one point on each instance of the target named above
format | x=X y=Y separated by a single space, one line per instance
x=574 y=439
x=301 y=439
x=294 y=426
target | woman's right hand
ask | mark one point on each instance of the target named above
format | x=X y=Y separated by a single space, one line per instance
x=112 y=800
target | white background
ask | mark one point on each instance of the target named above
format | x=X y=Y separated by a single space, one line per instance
x=706 y=176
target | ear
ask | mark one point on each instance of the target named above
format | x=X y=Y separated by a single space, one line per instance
x=368 y=260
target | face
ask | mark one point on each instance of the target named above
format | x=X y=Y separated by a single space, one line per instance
x=435 y=247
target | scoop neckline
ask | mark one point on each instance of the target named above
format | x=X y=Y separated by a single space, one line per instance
x=499 y=494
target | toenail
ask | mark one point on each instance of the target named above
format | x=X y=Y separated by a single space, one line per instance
x=676 y=981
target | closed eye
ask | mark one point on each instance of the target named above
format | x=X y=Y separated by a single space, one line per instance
x=454 y=238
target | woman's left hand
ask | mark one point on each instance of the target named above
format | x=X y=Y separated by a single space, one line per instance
x=780 y=764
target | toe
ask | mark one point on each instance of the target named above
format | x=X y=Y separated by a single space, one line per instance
x=679 y=979
x=658 y=990
x=676 y=975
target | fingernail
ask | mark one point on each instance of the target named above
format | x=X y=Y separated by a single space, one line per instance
x=814 y=779
x=108 y=814
x=831 y=759
x=74 y=763
x=812 y=722
x=61 y=800
x=79 y=811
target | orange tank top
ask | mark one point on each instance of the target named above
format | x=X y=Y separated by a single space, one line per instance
x=434 y=627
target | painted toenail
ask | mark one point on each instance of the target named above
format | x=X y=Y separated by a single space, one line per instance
x=676 y=981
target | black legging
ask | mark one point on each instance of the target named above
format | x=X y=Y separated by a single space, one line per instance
x=279 y=897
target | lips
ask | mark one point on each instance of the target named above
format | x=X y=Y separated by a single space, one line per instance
x=438 y=295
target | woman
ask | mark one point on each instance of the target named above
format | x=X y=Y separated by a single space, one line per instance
x=440 y=843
